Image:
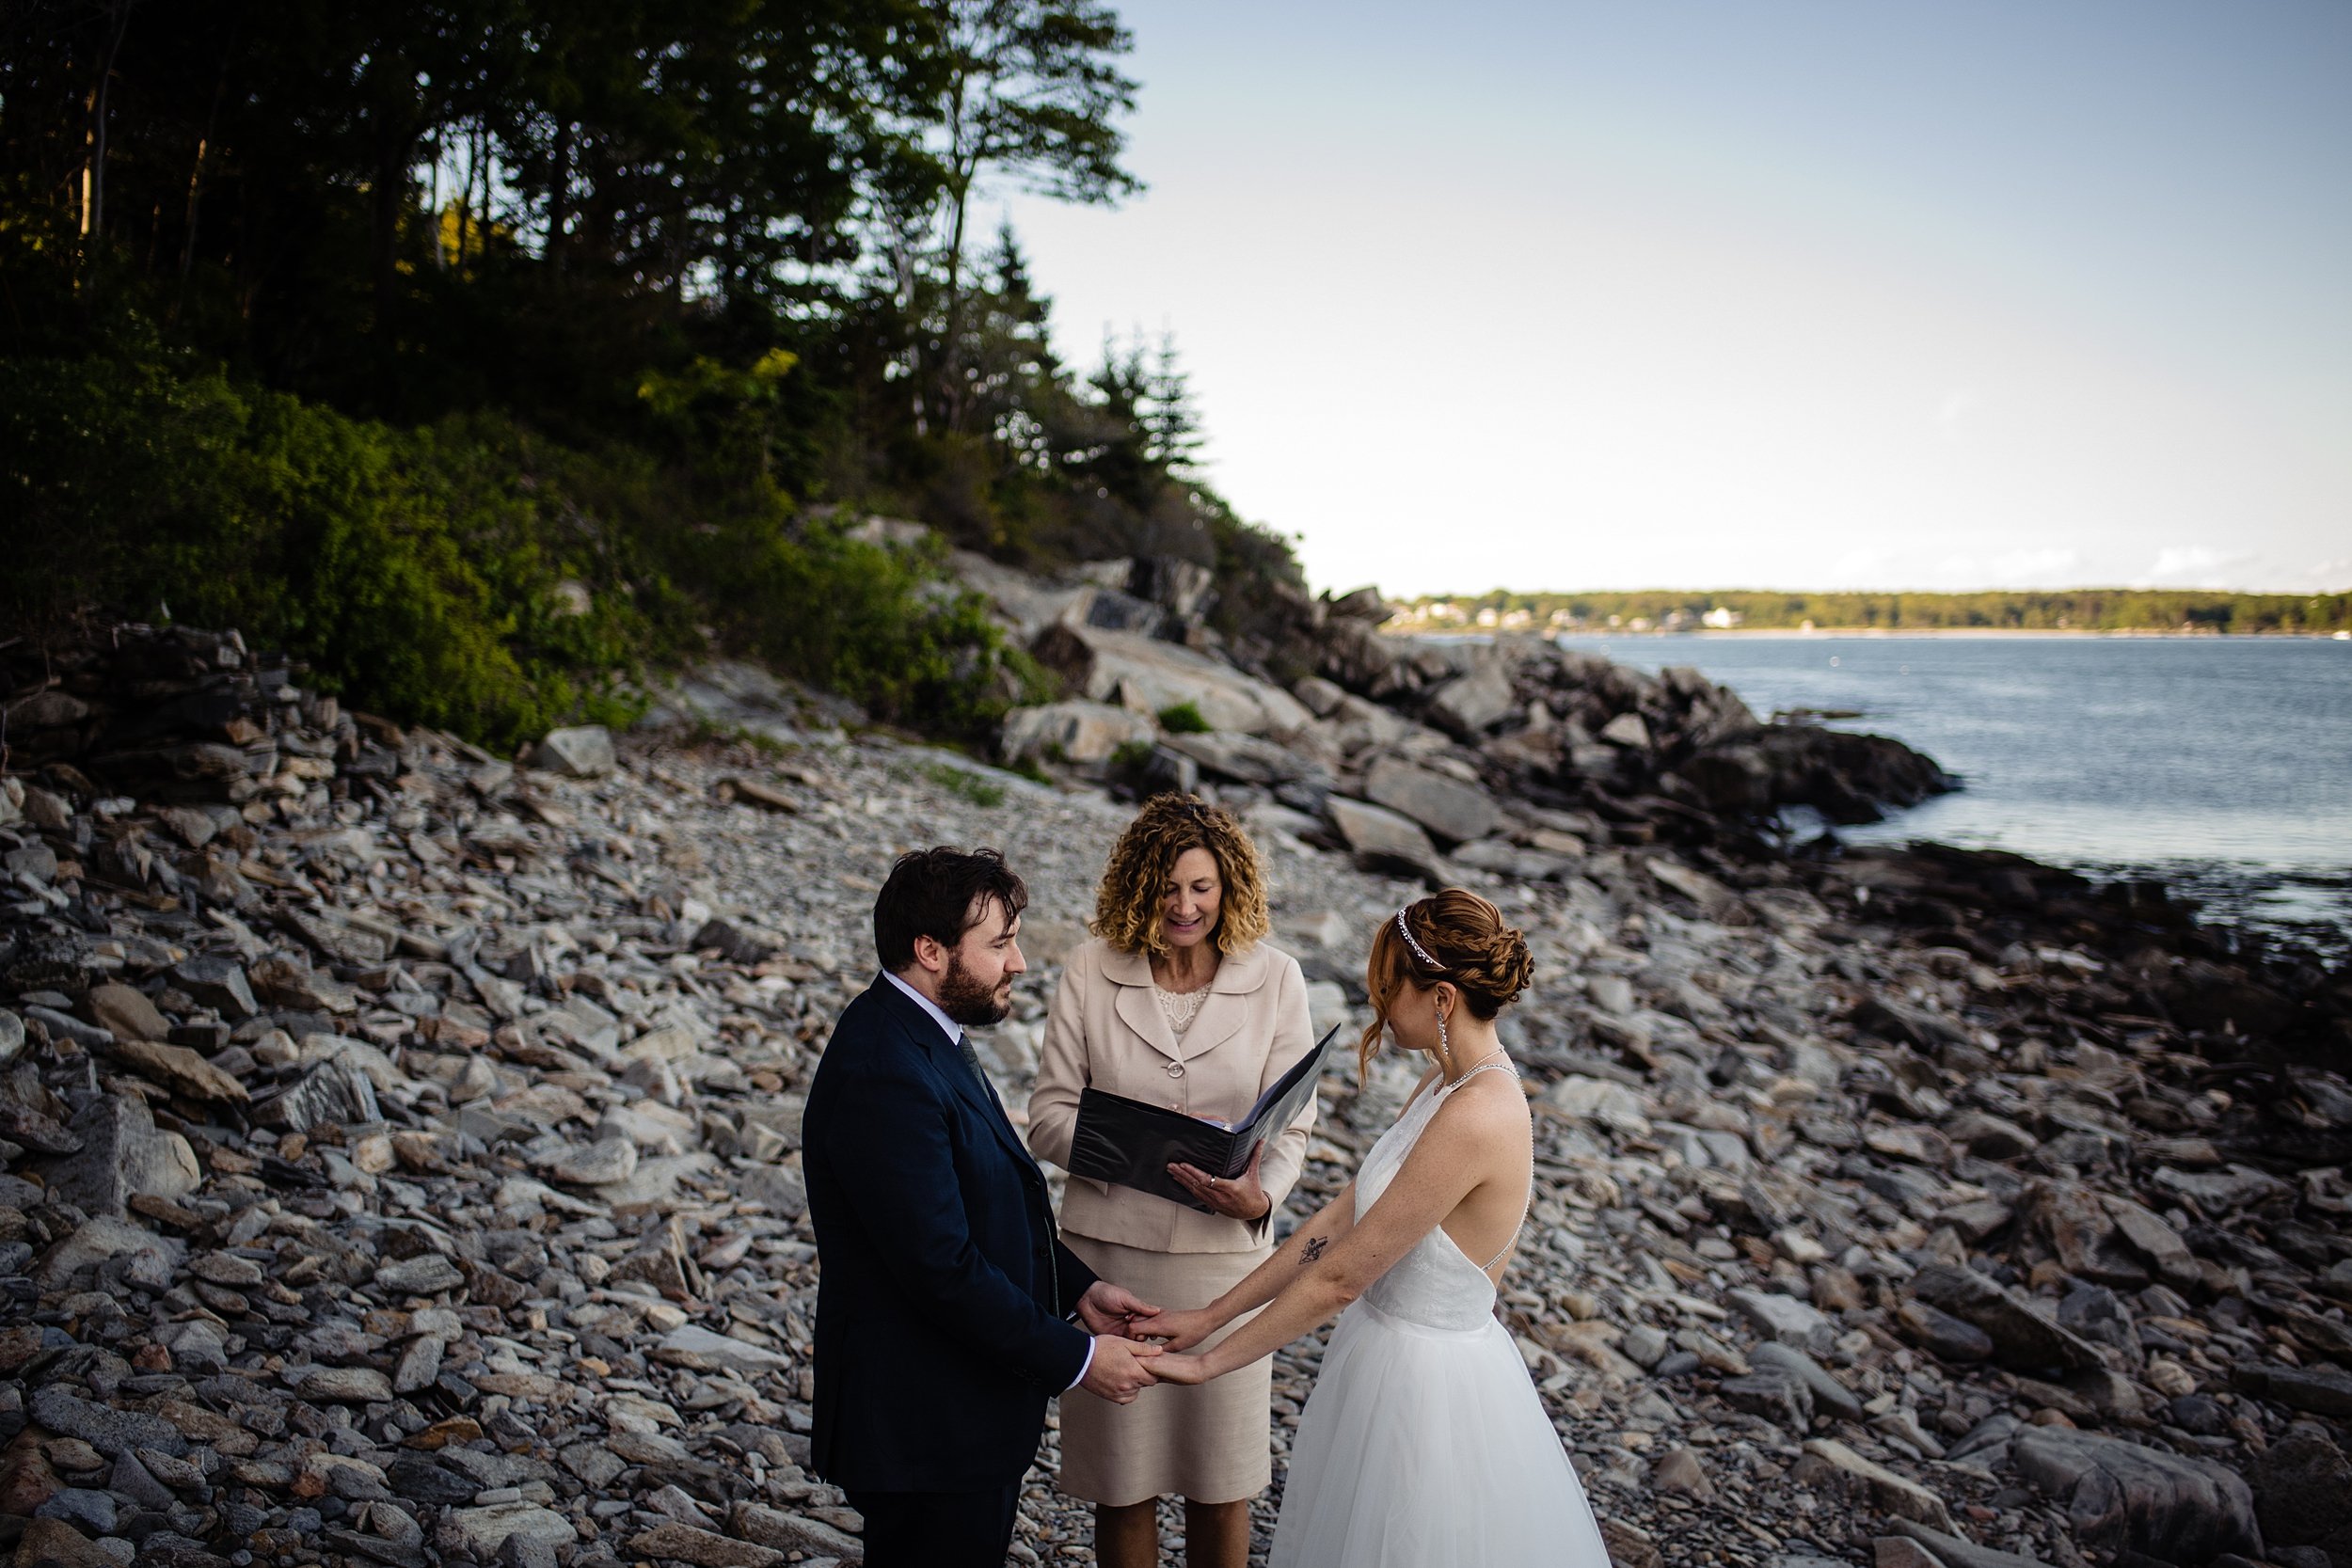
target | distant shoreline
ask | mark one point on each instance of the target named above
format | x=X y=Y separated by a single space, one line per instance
x=1792 y=634
x=1796 y=634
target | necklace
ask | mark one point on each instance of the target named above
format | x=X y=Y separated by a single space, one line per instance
x=1482 y=1064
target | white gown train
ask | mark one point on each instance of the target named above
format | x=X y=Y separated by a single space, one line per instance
x=1424 y=1443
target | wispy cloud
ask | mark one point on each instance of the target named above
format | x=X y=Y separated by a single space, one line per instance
x=2028 y=568
x=2189 y=566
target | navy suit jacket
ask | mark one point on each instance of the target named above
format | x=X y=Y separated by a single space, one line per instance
x=942 y=1288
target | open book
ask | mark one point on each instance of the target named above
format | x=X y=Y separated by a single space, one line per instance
x=1132 y=1144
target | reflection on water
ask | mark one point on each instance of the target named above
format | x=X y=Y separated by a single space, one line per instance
x=2223 y=764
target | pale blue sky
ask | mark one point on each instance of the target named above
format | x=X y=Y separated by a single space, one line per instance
x=1745 y=294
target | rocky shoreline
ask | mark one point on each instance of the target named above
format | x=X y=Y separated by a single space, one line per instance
x=400 y=1143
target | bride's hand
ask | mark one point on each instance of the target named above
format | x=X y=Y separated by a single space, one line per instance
x=1178 y=1331
x=1181 y=1368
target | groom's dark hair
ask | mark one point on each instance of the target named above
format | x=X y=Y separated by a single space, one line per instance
x=940 y=894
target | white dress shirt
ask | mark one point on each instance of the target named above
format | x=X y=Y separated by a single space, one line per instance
x=955 y=1037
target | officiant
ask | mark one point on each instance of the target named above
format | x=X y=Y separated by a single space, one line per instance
x=1178 y=1001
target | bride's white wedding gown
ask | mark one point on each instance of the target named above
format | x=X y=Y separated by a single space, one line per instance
x=1424 y=1445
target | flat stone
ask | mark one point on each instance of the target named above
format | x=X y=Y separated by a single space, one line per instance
x=218 y=981
x=2221 y=1191
x=595 y=1164
x=2021 y=1338
x=345 y=1384
x=1774 y=1396
x=1951 y=1551
x=581 y=751
x=1249 y=758
x=704 y=1548
x=1941 y=1335
x=1828 y=1393
x=1679 y=1472
x=1836 y=1465
x=478 y=1532
x=337 y=942
x=112 y=1433
x=2322 y=1391
x=428 y=1273
x=1079 y=732
x=1784 y=1318
x=1450 y=810
x=697 y=1349
x=107 y=1236
x=181 y=1070
x=124 y=1013
x=794 y=1532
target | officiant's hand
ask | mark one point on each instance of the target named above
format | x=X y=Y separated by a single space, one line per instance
x=1239 y=1198
x=1108 y=1309
x=1122 y=1368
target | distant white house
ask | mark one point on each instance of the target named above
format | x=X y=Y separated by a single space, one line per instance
x=1721 y=618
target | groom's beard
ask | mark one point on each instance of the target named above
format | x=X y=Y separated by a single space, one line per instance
x=967 y=1001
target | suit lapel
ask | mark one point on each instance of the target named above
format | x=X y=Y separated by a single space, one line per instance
x=948 y=1060
x=1137 y=1007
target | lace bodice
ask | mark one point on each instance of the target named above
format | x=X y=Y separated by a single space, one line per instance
x=1436 y=1284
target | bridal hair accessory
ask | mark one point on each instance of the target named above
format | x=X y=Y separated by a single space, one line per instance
x=1418 y=951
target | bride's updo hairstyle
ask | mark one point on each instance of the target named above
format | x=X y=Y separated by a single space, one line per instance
x=1455 y=936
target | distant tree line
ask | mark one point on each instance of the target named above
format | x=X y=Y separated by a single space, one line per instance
x=686 y=285
x=2110 y=610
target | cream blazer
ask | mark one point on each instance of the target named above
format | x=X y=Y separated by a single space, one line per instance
x=1106 y=1029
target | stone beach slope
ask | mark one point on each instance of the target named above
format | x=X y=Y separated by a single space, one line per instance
x=400 y=1143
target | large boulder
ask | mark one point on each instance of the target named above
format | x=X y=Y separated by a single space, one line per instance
x=1249 y=758
x=1151 y=677
x=1385 y=841
x=1453 y=811
x=2303 y=1492
x=1471 y=706
x=2120 y=1496
x=582 y=752
x=2023 y=1340
x=122 y=1153
x=1079 y=731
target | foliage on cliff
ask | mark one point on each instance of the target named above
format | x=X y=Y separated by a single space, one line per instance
x=384 y=331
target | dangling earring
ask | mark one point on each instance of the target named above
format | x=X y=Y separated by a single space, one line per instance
x=1445 y=1046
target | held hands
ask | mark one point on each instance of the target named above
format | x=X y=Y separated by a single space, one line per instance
x=1108 y=1309
x=1240 y=1198
x=1182 y=1368
x=1180 y=1331
x=1122 y=1368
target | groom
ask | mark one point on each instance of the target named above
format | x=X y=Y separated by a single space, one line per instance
x=941 y=1290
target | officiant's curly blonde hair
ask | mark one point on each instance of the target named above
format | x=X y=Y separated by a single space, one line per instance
x=1127 y=905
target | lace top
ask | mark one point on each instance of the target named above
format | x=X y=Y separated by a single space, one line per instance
x=1180 y=1007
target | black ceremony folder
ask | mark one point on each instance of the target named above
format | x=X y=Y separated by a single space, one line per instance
x=1128 y=1142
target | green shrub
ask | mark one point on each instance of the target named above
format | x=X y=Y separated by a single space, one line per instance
x=422 y=574
x=1183 y=718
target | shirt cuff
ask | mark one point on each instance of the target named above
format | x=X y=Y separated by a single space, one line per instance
x=1084 y=1367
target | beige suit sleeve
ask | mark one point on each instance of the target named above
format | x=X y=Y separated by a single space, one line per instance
x=1061 y=1068
x=1294 y=1036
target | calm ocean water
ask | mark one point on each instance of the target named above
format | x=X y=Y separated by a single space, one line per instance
x=2222 y=764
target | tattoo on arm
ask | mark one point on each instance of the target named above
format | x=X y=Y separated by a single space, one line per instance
x=1312 y=1250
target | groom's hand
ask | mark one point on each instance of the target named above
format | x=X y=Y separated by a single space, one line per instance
x=1121 y=1370
x=1108 y=1309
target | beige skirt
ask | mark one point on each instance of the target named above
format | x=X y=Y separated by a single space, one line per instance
x=1208 y=1442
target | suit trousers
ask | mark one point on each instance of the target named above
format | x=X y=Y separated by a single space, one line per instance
x=938 y=1529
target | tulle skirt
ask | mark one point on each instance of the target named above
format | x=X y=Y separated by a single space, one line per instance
x=1428 y=1447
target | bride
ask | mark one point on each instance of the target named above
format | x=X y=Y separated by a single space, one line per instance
x=1424 y=1445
